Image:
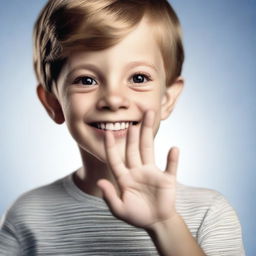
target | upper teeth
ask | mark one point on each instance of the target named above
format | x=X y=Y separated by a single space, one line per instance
x=113 y=126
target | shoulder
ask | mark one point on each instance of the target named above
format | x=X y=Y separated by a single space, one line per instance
x=34 y=201
x=196 y=194
x=203 y=208
x=24 y=213
x=202 y=198
x=197 y=200
x=212 y=219
x=203 y=202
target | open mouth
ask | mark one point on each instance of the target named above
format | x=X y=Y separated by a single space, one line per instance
x=113 y=126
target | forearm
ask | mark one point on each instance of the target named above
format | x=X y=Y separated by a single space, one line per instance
x=172 y=238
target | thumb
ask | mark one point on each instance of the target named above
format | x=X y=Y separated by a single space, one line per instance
x=110 y=196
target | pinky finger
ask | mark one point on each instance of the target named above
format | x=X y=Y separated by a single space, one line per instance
x=172 y=161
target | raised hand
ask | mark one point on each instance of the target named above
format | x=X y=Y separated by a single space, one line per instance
x=147 y=195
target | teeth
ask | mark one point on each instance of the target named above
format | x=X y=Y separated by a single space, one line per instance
x=109 y=126
x=117 y=126
x=114 y=126
x=122 y=126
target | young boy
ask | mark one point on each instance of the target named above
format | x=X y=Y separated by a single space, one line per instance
x=111 y=70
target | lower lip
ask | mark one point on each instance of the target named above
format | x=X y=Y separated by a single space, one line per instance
x=117 y=134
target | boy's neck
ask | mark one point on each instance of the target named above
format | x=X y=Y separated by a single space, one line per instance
x=92 y=170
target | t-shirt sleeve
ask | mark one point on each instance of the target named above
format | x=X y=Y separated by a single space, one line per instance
x=220 y=233
x=9 y=245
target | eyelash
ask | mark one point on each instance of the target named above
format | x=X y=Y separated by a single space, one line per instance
x=79 y=79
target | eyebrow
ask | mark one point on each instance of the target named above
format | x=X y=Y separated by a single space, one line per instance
x=141 y=63
x=95 y=69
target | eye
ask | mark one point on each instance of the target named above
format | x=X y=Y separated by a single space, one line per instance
x=85 y=80
x=140 y=78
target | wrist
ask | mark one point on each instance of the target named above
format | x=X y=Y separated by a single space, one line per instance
x=172 y=237
x=158 y=226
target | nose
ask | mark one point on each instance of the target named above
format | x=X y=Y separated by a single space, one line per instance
x=113 y=100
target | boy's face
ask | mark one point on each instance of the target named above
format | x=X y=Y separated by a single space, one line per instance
x=114 y=86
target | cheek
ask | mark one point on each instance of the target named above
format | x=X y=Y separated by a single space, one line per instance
x=75 y=106
x=150 y=101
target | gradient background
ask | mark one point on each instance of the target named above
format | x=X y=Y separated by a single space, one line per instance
x=212 y=124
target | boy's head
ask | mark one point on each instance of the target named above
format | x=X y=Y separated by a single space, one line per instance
x=65 y=26
x=101 y=64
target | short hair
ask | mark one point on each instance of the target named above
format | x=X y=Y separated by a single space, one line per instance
x=64 y=26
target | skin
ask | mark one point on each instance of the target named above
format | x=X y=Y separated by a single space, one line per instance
x=120 y=167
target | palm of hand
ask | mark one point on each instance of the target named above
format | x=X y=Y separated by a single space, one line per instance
x=148 y=196
x=147 y=193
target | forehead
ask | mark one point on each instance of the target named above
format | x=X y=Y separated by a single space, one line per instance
x=138 y=46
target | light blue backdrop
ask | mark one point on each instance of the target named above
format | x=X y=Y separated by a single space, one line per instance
x=213 y=124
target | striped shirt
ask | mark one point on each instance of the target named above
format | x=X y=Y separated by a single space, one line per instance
x=60 y=219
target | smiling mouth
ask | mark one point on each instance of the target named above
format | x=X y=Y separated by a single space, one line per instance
x=113 y=126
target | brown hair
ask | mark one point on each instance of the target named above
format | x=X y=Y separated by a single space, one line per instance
x=70 y=25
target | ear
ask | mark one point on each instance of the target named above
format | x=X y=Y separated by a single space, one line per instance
x=170 y=97
x=51 y=104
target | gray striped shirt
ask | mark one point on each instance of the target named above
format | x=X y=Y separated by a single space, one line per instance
x=60 y=219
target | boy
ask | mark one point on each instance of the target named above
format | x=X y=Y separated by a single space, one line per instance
x=111 y=70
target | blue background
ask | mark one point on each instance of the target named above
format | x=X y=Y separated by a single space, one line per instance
x=214 y=122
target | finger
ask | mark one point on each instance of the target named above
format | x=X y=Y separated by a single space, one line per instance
x=147 y=138
x=172 y=161
x=110 y=196
x=113 y=156
x=132 y=147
